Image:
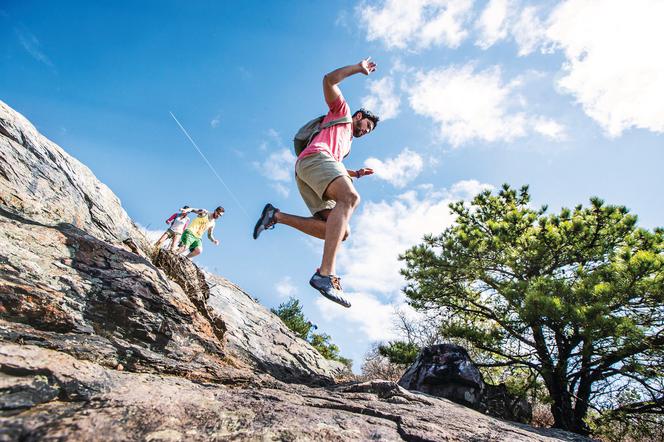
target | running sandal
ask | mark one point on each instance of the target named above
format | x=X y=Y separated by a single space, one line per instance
x=266 y=221
x=330 y=287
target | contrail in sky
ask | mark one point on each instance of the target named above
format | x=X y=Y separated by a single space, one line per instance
x=193 y=143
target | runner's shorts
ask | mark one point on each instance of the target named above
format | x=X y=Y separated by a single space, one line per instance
x=313 y=174
x=190 y=240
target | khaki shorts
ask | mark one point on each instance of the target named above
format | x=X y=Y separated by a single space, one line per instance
x=313 y=174
x=172 y=234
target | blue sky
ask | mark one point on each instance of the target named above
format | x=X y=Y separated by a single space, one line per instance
x=567 y=97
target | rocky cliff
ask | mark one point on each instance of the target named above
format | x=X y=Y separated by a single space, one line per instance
x=101 y=341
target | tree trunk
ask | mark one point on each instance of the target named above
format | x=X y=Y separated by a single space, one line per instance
x=563 y=413
x=580 y=410
x=583 y=391
x=567 y=417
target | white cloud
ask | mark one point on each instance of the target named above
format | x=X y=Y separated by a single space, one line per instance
x=382 y=230
x=470 y=105
x=468 y=189
x=467 y=105
x=343 y=19
x=216 y=120
x=152 y=235
x=285 y=288
x=281 y=189
x=383 y=100
x=398 y=66
x=549 y=128
x=398 y=171
x=278 y=167
x=492 y=23
x=614 y=66
x=418 y=23
x=373 y=317
x=507 y=19
x=529 y=31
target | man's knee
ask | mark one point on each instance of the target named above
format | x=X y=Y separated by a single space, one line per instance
x=350 y=198
x=342 y=191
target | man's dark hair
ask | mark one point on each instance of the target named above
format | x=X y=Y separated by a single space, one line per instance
x=185 y=207
x=219 y=209
x=368 y=114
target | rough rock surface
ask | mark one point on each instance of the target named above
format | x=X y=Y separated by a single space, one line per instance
x=63 y=289
x=53 y=395
x=252 y=333
x=40 y=181
x=98 y=343
x=255 y=334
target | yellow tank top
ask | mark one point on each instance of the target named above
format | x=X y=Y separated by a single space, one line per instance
x=199 y=225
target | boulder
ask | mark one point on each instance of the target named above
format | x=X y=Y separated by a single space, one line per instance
x=445 y=370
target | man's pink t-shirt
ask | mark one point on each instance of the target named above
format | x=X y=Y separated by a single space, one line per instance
x=334 y=140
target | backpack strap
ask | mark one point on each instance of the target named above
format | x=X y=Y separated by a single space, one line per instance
x=343 y=120
x=313 y=128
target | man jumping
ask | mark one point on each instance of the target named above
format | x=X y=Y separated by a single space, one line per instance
x=324 y=183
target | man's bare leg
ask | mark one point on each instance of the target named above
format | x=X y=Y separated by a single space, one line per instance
x=312 y=226
x=195 y=252
x=161 y=239
x=342 y=191
x=176 y=240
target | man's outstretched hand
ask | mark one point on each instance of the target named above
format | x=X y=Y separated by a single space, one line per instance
x=367 y=66
x=364 y=171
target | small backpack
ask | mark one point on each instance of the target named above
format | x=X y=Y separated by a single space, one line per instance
x=307 y=132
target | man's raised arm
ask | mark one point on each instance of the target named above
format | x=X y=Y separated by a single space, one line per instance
x=331 y=81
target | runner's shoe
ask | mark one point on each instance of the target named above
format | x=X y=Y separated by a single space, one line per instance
x=330 y=287
x=266 y=221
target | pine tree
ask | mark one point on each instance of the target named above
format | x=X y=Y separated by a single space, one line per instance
x=577 y=297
